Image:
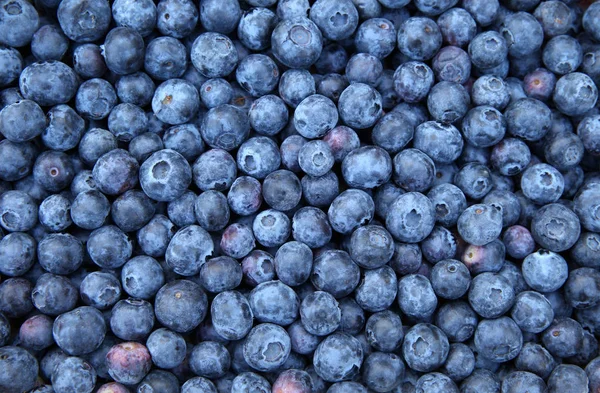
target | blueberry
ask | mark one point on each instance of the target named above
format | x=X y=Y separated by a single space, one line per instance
x=22 y=121
x=17 y=254
x=237 y=240
x=582 y=288
x=298 y=43
x=247 y=382
x=335 y=272
x=311 y=123
x=84 y=21
x=60 y=253
x=364 y=68
x=555 y=227
x=486 y=258
x=384 y=331
x=481 y=381
x=336 y=20
x=413 y=81
x=90 y=209
x=258 y=267
x=450 y=279
x=448 y=102
x=220 y=274
x=12 y=62
x=586 y=208
x=298 y=380
x=510 y=156
x=100 y=290
x=344 y=215
x=79 y=331
x=115 y=172
x=519 y=380
x=480 y=224
x=295 y=85
x=214 y=55
x=33 y=83
x=214 y=170
x=341 y=140
x=411 y=217
x=320 y=191
x=320 y=313
x=180 y=305
x=425 y=347
x=176 y=18
x=532 y=312
x=376 y=36
x=419 y=38
x=457 y=26
x=584 y=252
x=310 y=226
x=452 y=64
x=142 y=277
x=338 y=358
x=225 y=127
x=274 y=302
x=448 y=202
x=488 y=49
x=498 y=340
x=536 y=359
x=128 y=363
x=267 y=347
x=575 y=94
x=392 y=132
x=491 y=295
x=138 y=15
x=175 y=101
x=88 y=61
x=383 y=371
x=231 y=315
x=255 y=28
x=19 y=159
x=258 y=74
x=528 y=119
x=360 y=106
x=109 y=247
x=187 y=260
x=377 y=289
x=209 y=359
x=416 y=297
x=590 y=17
x=221 y=17
x=568 y=378
x=132 y=319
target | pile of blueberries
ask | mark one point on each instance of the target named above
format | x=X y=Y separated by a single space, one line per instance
x=294 y=196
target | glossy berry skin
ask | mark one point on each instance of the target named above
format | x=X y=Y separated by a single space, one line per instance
x=413 y=170
x=214 y=170
x=33 y=79
x=17 y=253
x=209 y=359
x=295 y=85
x=413 y=80
x=448 y=102
x=60 y=253
x=296 y=380
x=320 y=313
x=188 y=250
x=545 y=271
x=528 y=118
x=491 y=295
x=214 y=55
x=165 y=175
x=313 y=125
x=416 y=297
x=449 y=202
